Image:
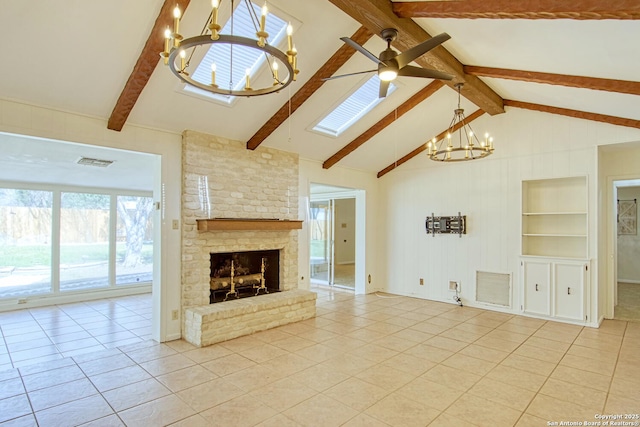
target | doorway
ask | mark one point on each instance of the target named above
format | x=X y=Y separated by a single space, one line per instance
x=627 y=250
x=333 y=244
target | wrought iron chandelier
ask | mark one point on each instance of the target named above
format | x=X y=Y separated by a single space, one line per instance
x=178 y=52
x=463 y=146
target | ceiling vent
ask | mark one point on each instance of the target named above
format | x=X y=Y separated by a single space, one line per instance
x=88 y=161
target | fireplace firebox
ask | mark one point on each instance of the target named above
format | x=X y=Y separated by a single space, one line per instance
x=244 y=274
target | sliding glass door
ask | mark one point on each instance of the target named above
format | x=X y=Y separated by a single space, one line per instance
x=321 y=250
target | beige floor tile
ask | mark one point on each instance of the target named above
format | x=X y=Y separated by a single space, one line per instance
x=469 y=364
x=592 y=353
x=374 y=353
x=582 y=378
x=527 y=420
x=484 y=353
x=320 y=377
x=394 y=343
x=386 y=377
x=520 y=329
x=205 y=354
x=517 y=398
x=320 y=352
x=517 y=377
x=625 y=387
x=248 y=341
x=508 y=336
x=544 y=354
x=108 y=421
x=348 y=364
x=497 y=344
x=628 y=368
x=320 y=410
x=277 y=420
x=552 y=409
x=228 y=364
x=292 y=343
x=548 y=344
x=105 y=364
x=580 y=395
x=192 y=421
x=158 y=412
x=167 y=364
x=451 y=377
x=356 y=393
x=430 y=393
x=396 y=410
x=365 y=335
x=621 y=405
x=135 y=394
x=445 y=343
x=209 y=394
x=53 y=377
x=364 y=420
x=149 y=353
x=282 y=394
x=74 y=413
x=429 y=328
x=475 y=409
x=586 y=364
x=52 y=396
x=430 y=353
x=408 y=363
x=555 y=335
x=528 y=364
x=446 y=420
x=254 y=377
x=14 y=407
x=289 y=364
x=119 y=378
x=186 y=378
x=262 y=353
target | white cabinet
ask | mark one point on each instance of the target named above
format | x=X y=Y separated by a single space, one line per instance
x=555 y=288
x=537 y=292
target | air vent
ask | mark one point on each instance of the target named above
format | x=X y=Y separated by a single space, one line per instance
x=99 y=163
x=493 y=288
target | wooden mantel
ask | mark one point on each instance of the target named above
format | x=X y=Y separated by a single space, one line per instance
x=222 y=224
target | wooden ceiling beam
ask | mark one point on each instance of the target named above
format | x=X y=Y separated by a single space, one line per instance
x=146 y=63
x=608 y=85
x=612 y=120
x=520 y=9
x=377 y=15
x=423 y=147
x=342 y=55
x=416 y=99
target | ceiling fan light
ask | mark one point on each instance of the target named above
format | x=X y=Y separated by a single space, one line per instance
x=387 y=74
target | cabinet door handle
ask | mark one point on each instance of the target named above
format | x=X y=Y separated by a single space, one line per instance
x=568 y=291
x=536 y=287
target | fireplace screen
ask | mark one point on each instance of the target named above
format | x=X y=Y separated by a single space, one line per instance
x=244 y=274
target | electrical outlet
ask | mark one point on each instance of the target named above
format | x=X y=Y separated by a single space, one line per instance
x=174 y=315
x=453 y=285
x=421 y=281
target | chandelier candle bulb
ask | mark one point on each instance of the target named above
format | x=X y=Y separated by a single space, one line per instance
x=214 y=27
x=183 y=56
x=275 y=72
x=261 y=34
x=295 y=63
x=167 y=44
x=247 y=81
x=176 y=27
x=289 y=37
x=213 y=74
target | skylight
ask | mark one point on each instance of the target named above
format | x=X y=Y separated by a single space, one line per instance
x=243 y=57
x=353 y=108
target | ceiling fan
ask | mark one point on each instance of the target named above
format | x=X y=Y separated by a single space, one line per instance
x=392 y=64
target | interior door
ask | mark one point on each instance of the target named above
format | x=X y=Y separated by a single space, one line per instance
x=321 y=250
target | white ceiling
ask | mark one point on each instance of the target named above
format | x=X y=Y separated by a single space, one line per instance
x=76 y=56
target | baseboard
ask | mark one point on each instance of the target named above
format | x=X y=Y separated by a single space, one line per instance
x=633 y=282
x=79 y=296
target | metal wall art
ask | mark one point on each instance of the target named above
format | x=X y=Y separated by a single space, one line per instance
x=446 y=224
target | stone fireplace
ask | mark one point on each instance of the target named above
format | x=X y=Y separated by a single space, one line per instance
x=236 y=200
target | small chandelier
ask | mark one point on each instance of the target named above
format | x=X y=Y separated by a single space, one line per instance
x=463 y=146
x=178 y=52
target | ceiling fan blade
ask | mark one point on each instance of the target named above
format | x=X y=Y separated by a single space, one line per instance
x=347 y=75
x=360 y=49
x=411 y=71
x=409 y=55
x=384 y=86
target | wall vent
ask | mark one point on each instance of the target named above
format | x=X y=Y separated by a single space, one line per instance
x=493 y=288
x=88 y=161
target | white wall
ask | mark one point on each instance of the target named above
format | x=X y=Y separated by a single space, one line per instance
x=529 y=145
x=367 y=201
x=629 y=244
x=43 y=122
x=345 y=231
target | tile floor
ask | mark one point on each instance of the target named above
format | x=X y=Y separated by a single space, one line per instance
x=374 y=360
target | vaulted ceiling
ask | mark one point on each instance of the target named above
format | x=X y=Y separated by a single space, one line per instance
x=577 y=58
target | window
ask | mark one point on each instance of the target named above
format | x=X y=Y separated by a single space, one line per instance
x=243 y=57
x=353 y=108
x=54 y=242
x=25 y=242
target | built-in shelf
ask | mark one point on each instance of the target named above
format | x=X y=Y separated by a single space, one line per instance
x=222 y=224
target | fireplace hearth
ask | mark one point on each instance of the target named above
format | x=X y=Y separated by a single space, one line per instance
x=236 y=275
